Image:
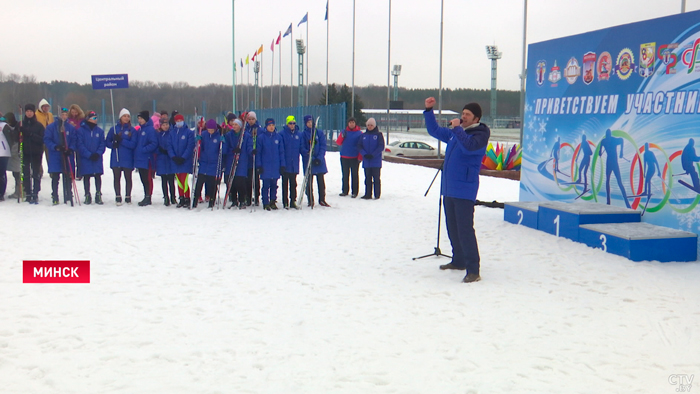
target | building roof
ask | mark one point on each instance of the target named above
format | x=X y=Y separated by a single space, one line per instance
x=405 y=111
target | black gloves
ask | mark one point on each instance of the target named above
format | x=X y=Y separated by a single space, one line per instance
x=179 y=160
x=94 y=157
x=255 y=151
x=236 y=150
x=316 y=162
x=117 y=137
x=58 y=148
x=369 y=156
x=115 y=144
x=163 y=151
x=283 y=169
x=260 y=170
x=68 y=152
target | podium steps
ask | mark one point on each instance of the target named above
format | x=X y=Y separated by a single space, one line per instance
x=613 y=229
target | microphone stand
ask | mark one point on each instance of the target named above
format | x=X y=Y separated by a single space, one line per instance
x=437 y=252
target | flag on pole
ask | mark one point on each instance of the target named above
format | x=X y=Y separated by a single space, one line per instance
x=326 y=18
x=278 y=39
x=289 y=31
x=272 y=46
x=260 y=50
x=241 y=62
x=247 y=59
x=254 y=54
x=304 y=19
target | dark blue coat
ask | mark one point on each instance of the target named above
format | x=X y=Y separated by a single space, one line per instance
x=318 y=153
x=53 y=138
x=209 y=154
x=292 y=148
x=371 y=142
x=146 y=146
x=349 y=147
x=231 y=143
x=270 y=154
x=164 y=165
x=181 y=145
x=463 y=156
x=126 y=147
x=89 y=142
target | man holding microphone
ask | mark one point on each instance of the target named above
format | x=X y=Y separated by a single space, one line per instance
x=466 y=145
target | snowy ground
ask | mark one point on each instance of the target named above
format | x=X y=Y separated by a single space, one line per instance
x=330 y=301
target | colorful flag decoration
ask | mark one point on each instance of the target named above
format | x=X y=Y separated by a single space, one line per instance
x=247 y=59
x=500 y=159
x=304 y=19
x=241 y=62
x=326 y=18
x=272 y=45
x=254 y=54
x=289 y=31
x=278 y=39
x=260 y=50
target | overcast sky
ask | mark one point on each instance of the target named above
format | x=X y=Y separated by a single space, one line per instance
x=190 y=41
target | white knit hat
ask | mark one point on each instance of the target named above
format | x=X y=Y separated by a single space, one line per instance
x=252 y=114
x=123 y=112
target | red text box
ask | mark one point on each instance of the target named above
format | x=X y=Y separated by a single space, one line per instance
x=56 y=271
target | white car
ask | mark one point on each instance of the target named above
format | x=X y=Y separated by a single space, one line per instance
x=409 y=149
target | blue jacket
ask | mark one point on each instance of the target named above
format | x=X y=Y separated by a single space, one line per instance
x=270 y=155
x=53 y=138
x=292 y=148
x=181 y=145
x=371 y=142
x=164 y=165
x=126 y=146
x=318 y=153
x=146 y=146
x=463 y=156
x=244 y=158
x=349 y=141
x=209 y=154
x=89 y=142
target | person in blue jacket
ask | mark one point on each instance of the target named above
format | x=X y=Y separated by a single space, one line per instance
x=253 y=128
x=164 y=165
x=270 y=163
x=91 y=147
x=211 y=142
x=146 y=146
x=292 y=151
x=181 y=152
x=60 y=140
x=317 y=157
x=238 y=143
x=371 y=146
x=121 y=139
x=350 y=157
x=466 y=146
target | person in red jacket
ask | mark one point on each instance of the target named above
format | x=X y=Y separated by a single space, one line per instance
x=350 y=157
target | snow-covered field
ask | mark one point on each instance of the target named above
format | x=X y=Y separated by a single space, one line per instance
x=329 y=301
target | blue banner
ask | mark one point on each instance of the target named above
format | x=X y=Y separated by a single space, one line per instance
x=112 y=81
x=611 y=116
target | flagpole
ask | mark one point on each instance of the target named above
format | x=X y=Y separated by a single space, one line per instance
x=388 y=78
x=352 y=113
x=291 y=69
x=272 y=74
x=233 y=49
x=247 y=86
x=261 y=80
x=442 y=14
x=307 y=58
x=279 y=49
x=522 y=75
x=327 y=27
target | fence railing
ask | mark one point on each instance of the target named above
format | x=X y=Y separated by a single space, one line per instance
x=332 y=117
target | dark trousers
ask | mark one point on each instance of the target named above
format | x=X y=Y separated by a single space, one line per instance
x=3 y=175
x=289 y=188
x=459 y=218
x=209 y=183
x=117 y=180
x=257 y=185
x=67 y=187
x=373 y=181
x=147 y=181
x=350 y=169
x=32 y=169
x=98 y=183
x=168 y=181
x=321 y=183
x=239 y=189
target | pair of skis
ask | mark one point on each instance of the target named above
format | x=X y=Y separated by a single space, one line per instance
x=308 y=177
x=195 y=163
x=66 y=159
x=234 y=166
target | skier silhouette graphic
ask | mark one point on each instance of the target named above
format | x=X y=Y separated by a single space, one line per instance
x=609 y=146
x=688 y=158
x=650 y=166
x=555 y=155
x=586 y=153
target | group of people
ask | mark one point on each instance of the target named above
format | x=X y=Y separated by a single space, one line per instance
x=241 y=152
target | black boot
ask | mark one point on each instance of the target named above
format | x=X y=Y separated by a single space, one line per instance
x=127 y=200
x=166 y=201
x=118 y=199
x=181 y=203
x=146 y=201
x=173 y=200
x=98 y=198
x=88 y=199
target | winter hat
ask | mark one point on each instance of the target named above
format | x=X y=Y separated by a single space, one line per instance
x=291 y=118
x=238 y=122
x=269 y=121
x=145 y=115
x=64 y=110
x=230 y=116
x=30 y=107
x=211 y=124
x=475 y=108
x=90 y=115
x=252 y=114
x=163 y=113
x=372 y=122
x=123 y=112
x=308 y=118
x=43 y=102
x=179 y=118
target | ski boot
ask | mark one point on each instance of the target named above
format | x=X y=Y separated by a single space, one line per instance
x=267 y=207
x=166 y=201
x=88 y=199
x=273 y=205
x=98 y=198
